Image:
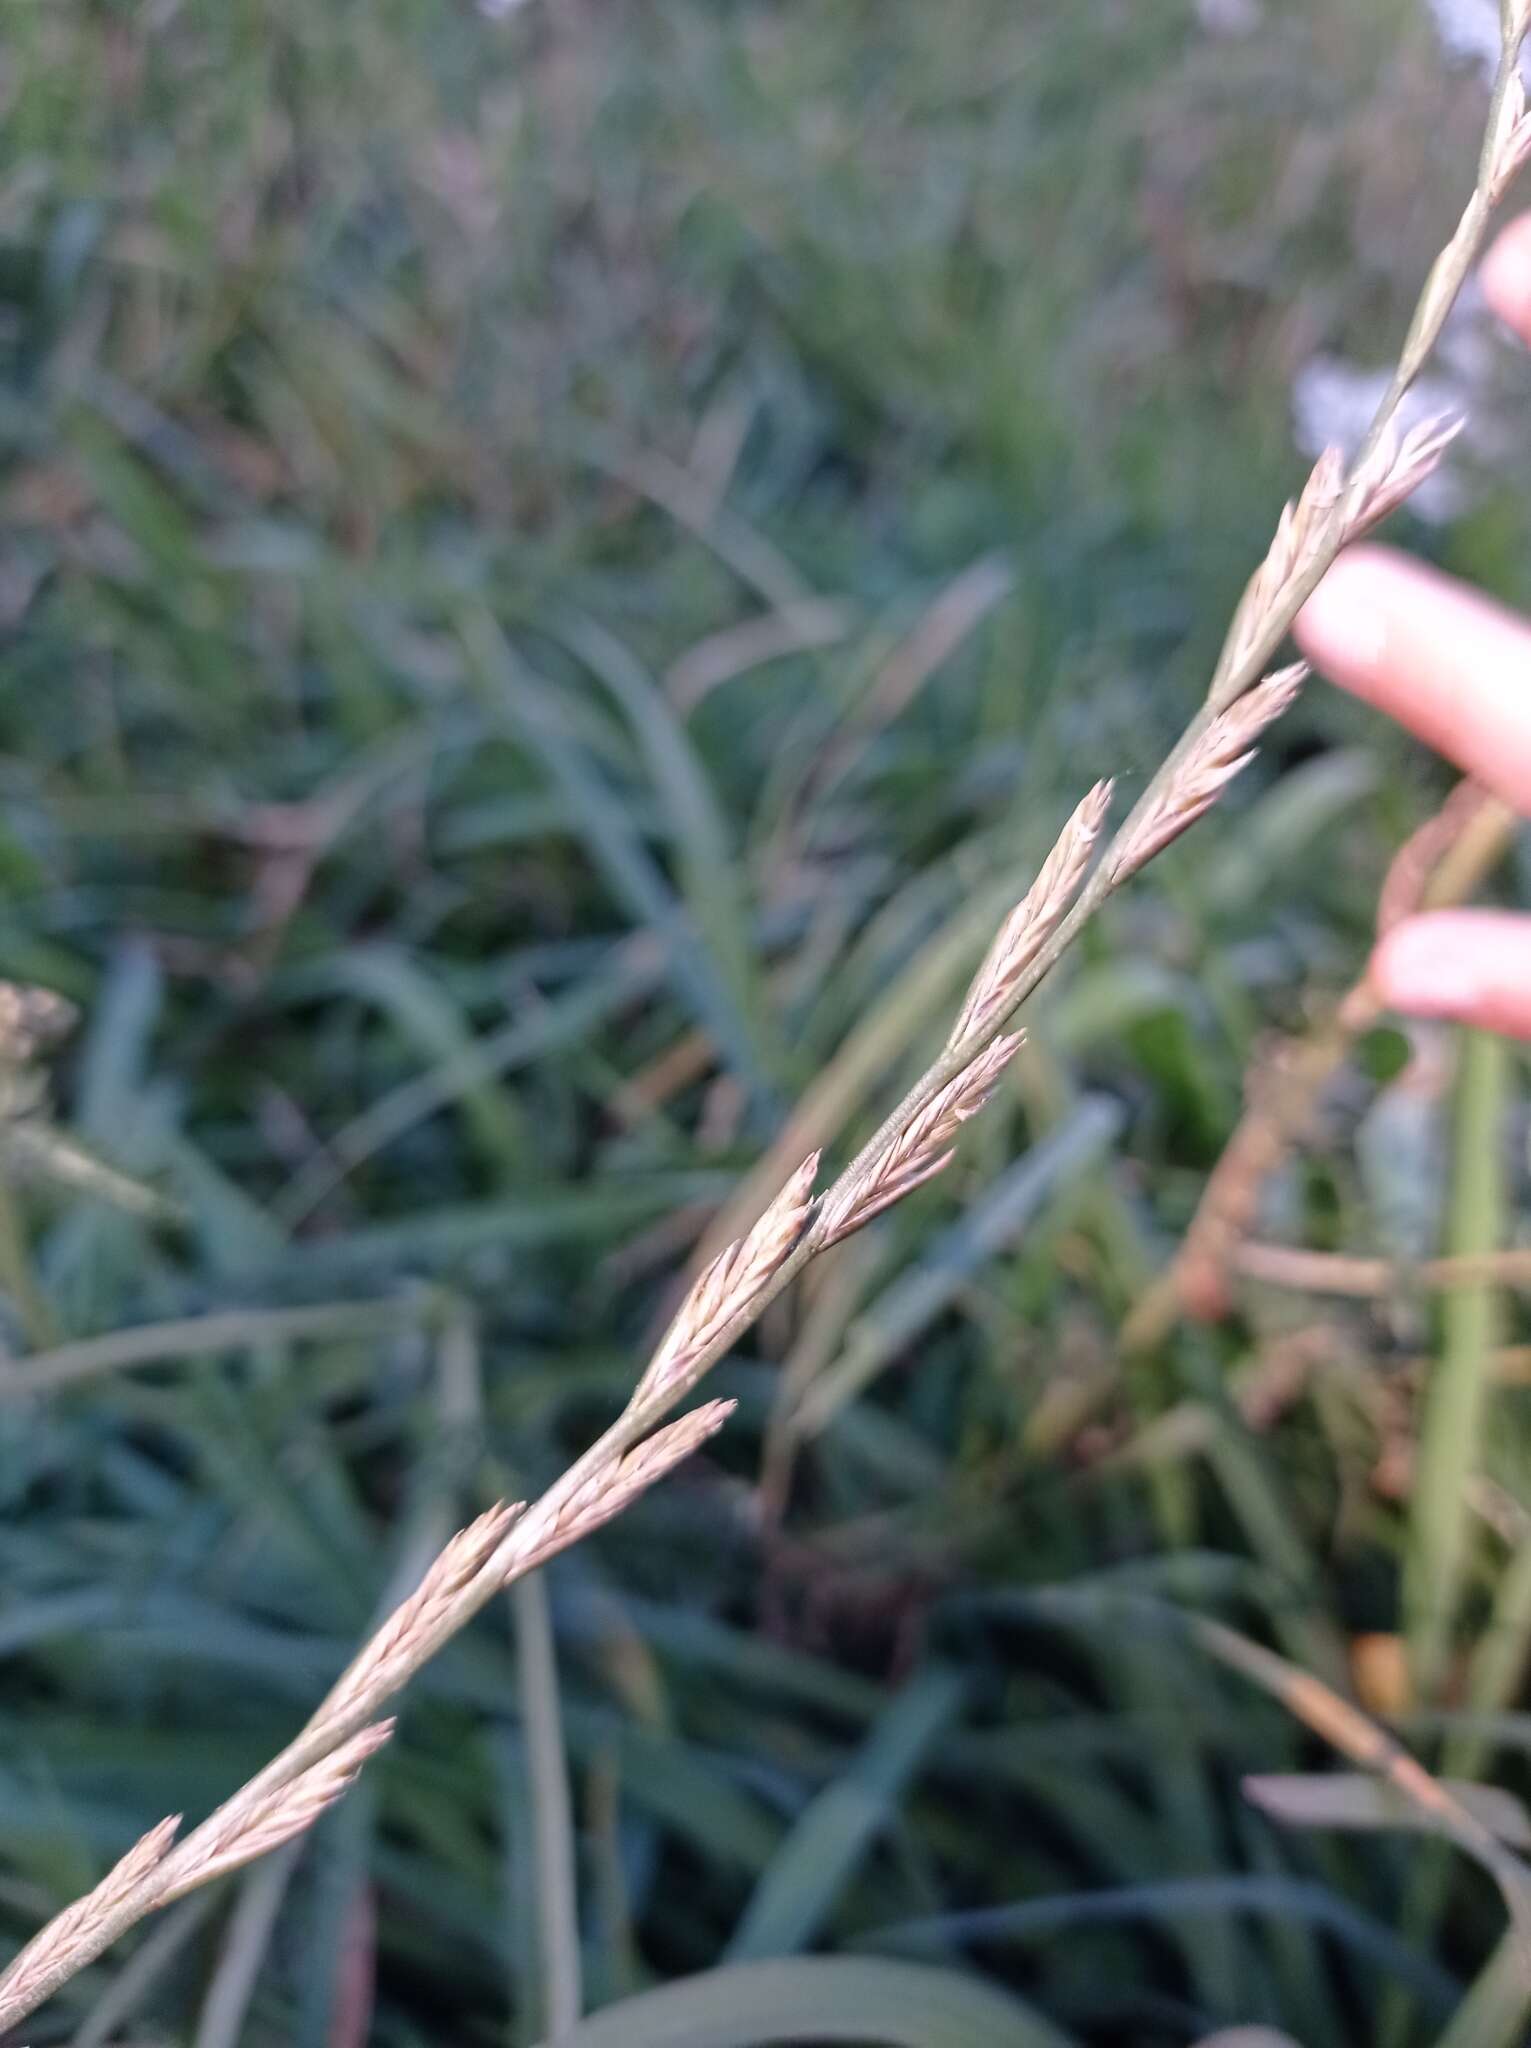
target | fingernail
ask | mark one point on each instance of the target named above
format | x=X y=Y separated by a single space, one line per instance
x=1341 y=626
x=1428 y=972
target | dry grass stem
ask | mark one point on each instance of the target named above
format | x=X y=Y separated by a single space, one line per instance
x=1280 y=1265
x=731 y=1284
x=1439 y=865
x=1034 y=920
x=919 y=1151
x=1222 y=750
x=1354 y=1735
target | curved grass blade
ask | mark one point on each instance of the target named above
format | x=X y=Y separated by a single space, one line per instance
x=557 y=1901
x=1456 y=1404
x=529 y=710
x=709 y=872
x=821 y=1999
x=797 y=1893
x=1275 y=1898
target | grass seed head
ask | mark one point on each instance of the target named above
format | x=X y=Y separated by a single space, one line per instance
x=922 y=1149
x=1034 y=920
x=732 y=1283
x=1226 y=747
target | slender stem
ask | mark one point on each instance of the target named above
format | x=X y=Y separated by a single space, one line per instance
x=547 y=1772
x=17 y=1275
x=45 y=1372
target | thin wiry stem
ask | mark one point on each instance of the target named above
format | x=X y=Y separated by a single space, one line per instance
x=634 y=1452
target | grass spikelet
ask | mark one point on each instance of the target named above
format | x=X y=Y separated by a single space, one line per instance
x=1034 y=920
x=920 y=1151
x=1226 y=747
x=731 y=1284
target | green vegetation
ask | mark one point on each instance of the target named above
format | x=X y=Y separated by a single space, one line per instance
x=559 y=576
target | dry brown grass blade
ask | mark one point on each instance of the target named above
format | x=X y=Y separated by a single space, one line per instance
x=1280 y=1265
x=1345 y=1728
x=1443 y=863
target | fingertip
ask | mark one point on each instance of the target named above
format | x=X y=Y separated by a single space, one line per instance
x=1506 y=277
x=1342 y=628
x=1429 y=967
x=1463 y=966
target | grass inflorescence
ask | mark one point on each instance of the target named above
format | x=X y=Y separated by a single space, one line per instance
x=528 y=698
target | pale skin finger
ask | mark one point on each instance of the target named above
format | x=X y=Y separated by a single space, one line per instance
x=1506 y=277
x=1457 y=670
x=1471 y=966
x=1448 y=663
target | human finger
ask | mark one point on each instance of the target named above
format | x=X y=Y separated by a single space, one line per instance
x=1448 y=663
x=1471 y=966
x=1506 y=276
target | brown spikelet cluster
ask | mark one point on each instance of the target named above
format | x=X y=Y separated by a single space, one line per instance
x=1395 y=469
x=51 y=1954
x=30 y=1020
x=1034 y=920
x=1510 y=149
x=609 y=1489
x=731 y=1284
x=244 y=1830
x=1301 y=533
x=1227 y=746
x=423 y=1613
x=921 y=1150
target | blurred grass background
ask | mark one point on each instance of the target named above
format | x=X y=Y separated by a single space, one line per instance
x=559 y=572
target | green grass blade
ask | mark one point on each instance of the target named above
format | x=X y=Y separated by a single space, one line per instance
x=1456 y=1401
x=1497 y=2010
x=820 y=1999
x=710 y=875
x=1290 y=1900
x=798 y=1891
x=529 y=707
x=238 y=1329
x=547 y=1771
x=427 y=1017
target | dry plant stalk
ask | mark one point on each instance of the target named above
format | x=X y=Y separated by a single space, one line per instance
x=1439 y=865
x=1339 y=502
x=1355 y=1735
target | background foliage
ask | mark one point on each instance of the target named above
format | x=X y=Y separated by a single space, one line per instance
x=559 y=573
